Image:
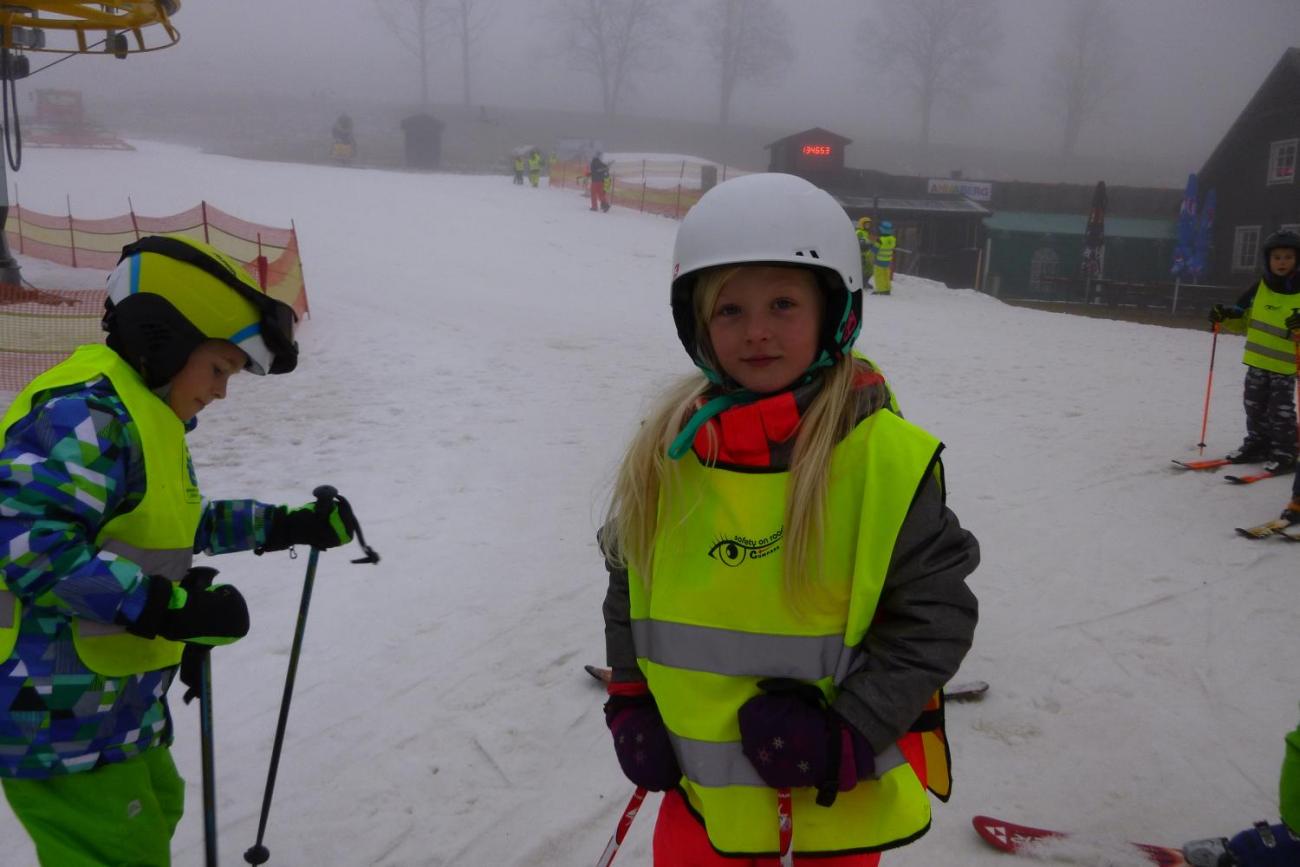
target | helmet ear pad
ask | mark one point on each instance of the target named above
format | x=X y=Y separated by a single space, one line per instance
x=151 y=335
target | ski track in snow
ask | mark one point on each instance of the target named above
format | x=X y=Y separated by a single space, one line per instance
x=478 y=356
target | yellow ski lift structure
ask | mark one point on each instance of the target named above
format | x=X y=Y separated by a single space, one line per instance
x=116 y=27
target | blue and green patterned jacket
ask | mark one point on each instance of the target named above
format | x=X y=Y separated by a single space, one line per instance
x=67 y=468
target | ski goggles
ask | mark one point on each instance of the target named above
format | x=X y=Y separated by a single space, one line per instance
x=275 y=318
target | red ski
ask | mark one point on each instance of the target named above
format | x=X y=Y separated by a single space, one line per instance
x=1211 y=464
x=1061 y=846
x=1254 y=477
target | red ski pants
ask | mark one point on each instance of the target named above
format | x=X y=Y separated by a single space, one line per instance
x=598 y=199
x=681 y=841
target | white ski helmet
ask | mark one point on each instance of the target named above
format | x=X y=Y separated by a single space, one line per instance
x=771 y=218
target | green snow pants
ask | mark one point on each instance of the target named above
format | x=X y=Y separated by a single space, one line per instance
x=121 y=814
x=1289 y=790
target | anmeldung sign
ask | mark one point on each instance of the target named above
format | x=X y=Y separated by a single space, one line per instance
x=979 y=191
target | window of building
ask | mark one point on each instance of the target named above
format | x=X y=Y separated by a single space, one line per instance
x=1282 y=161
x=1042 y=266
x=1245 y=248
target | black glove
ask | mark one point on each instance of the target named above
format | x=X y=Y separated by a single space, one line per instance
x=1220 y=312
x=309 y=525
x=195 y=610
x=1293 y=321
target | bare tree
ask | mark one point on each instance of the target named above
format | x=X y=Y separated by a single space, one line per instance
x=613 y=40
x=416 y=24
x=1086 y=70
x=938 y=49
x=468 y=18
x=748 y=42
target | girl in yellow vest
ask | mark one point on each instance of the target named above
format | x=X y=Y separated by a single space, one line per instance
x=1266 y=312
x=787 y=588
x=100 y=518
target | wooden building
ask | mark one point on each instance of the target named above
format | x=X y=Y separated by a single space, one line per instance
x=1253 y=173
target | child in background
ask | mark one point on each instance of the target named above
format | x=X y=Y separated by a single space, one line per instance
x=1264 y=312
x=100 y=517
x=883 y=258
x=787 y=586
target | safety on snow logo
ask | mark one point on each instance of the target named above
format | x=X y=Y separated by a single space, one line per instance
x=734 y=550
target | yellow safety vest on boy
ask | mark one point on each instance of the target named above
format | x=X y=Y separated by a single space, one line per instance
x=714 y=621
x=157 y=535
x=1269 y=345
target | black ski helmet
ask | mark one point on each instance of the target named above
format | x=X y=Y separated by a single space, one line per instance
x=1281 y=238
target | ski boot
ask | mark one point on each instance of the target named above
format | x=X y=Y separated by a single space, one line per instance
x=1292 y=511
x=1263 y=845
x=1279 y=465
x=1247 y=453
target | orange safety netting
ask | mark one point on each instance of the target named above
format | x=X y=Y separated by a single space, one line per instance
x=41 y=326
x=666 y=187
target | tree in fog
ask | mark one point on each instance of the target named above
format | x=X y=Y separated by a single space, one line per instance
x=418 y=26
x=613 y=40
x=938 y=49
x=1086 y=69
x=748 y=41
x=467 y=18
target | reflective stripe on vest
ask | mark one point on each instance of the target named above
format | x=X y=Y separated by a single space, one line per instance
x=714 y=621
x=1269 y=345
x=885 y=249
x=157 y=535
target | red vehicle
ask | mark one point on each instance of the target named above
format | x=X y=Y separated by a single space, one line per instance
x=60 y=122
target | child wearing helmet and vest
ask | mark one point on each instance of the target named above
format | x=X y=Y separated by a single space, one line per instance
x=883 y=259
x=867 y=246
x=787 y=589
x=1267 y=313
x=100 y=517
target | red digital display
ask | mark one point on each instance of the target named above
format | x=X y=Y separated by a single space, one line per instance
x=816 y=150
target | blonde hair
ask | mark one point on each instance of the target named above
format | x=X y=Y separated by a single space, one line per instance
x=646 y=470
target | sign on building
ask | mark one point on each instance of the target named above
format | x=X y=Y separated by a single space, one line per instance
x=978 y=191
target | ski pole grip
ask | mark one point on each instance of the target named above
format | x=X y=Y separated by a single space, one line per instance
x=324 y=494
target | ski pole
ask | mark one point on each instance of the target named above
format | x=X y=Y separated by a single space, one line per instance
x=1209 y=385
x=200 y=579
x=624 y=823
x=1295 y=338
x=325 y=495
x=209 y=762
x=785 y=826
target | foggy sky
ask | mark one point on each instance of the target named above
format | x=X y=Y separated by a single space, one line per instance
x=1195 y=64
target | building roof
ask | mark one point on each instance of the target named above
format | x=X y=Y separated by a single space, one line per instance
x=1277 y=93
x=950 y=205
x=817 y=130
x=1074 y=224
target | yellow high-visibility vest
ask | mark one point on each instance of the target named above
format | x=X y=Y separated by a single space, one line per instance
x=157 y=535
x=714 y=621
x=1269 y=345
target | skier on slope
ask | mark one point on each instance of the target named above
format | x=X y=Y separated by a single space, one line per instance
x=100 y=517
x=772 y=625
x=1266 y=312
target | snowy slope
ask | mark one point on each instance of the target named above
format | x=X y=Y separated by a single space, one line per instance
x=478 y=355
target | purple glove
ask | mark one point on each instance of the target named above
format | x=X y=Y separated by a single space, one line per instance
x=793 y=739
x=640 y=739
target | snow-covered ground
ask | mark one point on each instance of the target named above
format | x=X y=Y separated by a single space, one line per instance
x=477 y=357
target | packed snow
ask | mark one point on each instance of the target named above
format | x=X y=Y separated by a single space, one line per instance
x=477 y=356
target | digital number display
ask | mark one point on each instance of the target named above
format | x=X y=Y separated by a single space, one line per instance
x=816 y=150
